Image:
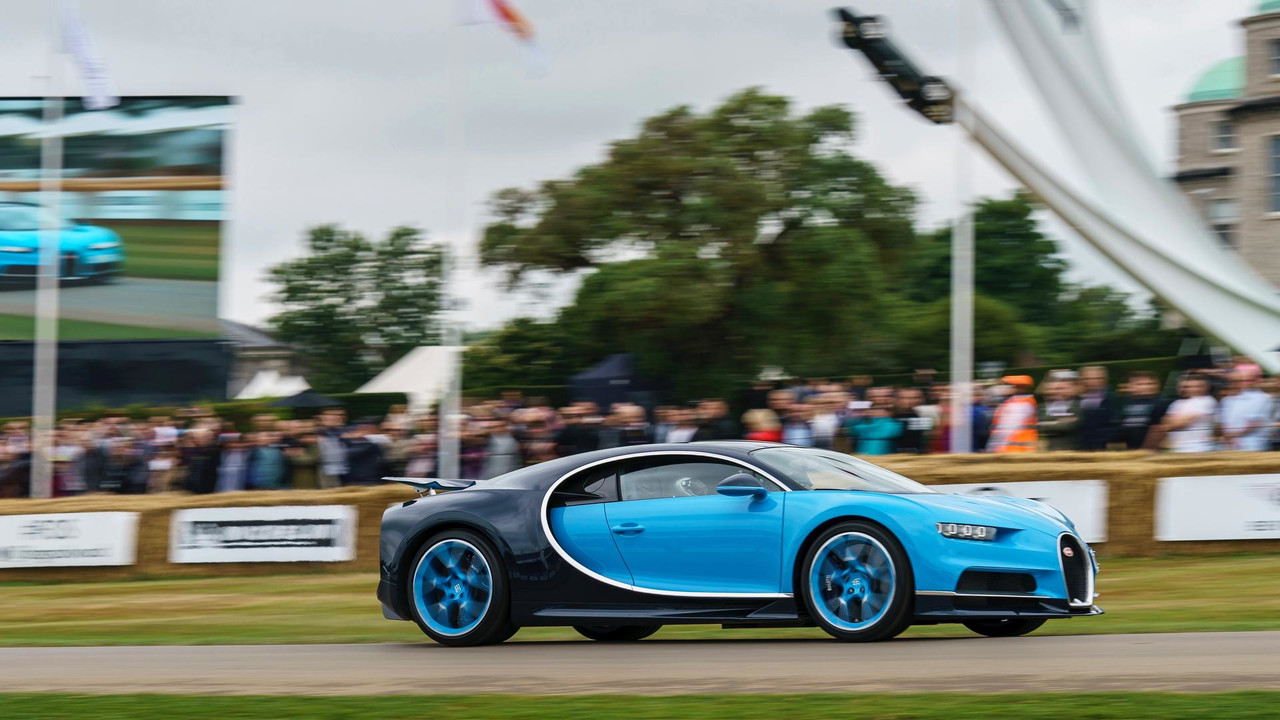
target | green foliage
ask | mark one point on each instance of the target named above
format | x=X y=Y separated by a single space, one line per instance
x=353 y=306
x=925 y=333
x=524 y=353
x=712 y=245
x=1013 y=261
x=721 y=242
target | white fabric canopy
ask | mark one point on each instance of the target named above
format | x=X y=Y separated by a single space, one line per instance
x=423 y=375
x=271 y=384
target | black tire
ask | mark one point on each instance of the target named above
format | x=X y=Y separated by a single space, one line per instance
x=494 y=625
x=898 y=610
x=619 y=633
x=1008 y=627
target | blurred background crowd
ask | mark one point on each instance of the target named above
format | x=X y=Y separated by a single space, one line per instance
x=1228 y=407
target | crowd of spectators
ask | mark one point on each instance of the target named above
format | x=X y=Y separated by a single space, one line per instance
x=1225 y=408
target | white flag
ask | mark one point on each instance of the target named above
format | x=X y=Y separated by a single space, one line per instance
x=93 y=71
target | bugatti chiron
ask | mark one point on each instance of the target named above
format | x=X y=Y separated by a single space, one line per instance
x=617 y=543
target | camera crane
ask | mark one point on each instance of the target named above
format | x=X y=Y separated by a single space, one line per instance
x=930 y=96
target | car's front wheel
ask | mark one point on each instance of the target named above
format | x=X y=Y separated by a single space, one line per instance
x=458 y=591
x=1008 y=627
x=621 y=633
x=856 y=583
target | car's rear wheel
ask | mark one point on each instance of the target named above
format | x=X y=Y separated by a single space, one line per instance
x=458 y=591
x=617 y=633
x=856 y=583
x=1007 y=627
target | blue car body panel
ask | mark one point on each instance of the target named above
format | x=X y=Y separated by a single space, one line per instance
x=727 y=559
x=583 y=531
x=85 y=252
x=708 y=543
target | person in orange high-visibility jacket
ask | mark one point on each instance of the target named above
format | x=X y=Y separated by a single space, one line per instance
x=1013 y=429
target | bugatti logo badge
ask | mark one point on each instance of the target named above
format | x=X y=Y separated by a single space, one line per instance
x=1068 y=552
x=857 y=582
x=457 y=588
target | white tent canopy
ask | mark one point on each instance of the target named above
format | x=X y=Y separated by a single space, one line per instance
x=271 y=384
x=423 y=375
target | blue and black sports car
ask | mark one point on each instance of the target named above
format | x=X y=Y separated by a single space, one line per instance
x=85 y=252
x=617 y=543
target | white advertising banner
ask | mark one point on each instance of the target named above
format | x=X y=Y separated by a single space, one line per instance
x=1218 y=507
x=301 y=533
x=1084 y=501
x=88 y=539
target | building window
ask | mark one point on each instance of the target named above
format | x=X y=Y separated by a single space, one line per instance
x=1275 y=57
x=1224 y=136
x=1223 y=217
x=1274 y=204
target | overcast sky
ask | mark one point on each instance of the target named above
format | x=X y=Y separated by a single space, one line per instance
x=346 y=114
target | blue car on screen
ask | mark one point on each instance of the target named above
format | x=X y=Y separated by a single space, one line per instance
x=85 y=252
x=617 y=543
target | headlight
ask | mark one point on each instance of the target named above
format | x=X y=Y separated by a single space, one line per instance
x=108 y=245
x=16 y=249
x=967 y=532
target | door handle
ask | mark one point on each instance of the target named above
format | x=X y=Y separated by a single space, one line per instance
x=627 y=528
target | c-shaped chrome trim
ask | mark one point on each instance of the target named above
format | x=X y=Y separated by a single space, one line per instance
x=1087 y=601
x=546 y=526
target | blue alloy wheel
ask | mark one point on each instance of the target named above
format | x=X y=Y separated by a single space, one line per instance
x=452 y=587
x=855 y=582
x=851 y=581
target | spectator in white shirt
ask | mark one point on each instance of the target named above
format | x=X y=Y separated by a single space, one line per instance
x=1246 y=415
x=1189 y=421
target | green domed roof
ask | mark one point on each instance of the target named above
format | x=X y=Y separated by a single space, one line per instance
x=1224 y=81
x=1269 y=6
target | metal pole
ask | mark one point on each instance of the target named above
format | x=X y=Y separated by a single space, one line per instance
x=450 y=436
x=962 y=263
x=45 y=374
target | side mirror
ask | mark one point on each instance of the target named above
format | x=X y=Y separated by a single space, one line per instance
x=742 y=485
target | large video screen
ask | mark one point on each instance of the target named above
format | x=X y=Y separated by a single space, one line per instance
x=141 y=211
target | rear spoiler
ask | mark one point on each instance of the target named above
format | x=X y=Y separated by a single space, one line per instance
x=430 y=486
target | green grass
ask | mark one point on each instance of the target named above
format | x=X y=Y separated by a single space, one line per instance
x=1076 y=706
x=181 y=251
x=1140 y=596
x=22 y=327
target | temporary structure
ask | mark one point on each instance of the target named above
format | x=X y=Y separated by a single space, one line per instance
x=423 y=375
x=271 y=384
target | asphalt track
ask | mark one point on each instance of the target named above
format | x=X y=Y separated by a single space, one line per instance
x=150 y=302
x=1183 y=662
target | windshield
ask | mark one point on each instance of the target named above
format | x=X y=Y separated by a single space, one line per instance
x=826 y=470
x=22 y=217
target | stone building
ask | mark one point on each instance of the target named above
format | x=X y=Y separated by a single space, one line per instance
x=1229 y=145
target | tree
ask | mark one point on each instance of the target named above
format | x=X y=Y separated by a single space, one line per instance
x=718 y=242
x=523 y=353
x=925 y=332
x=354 y=306
x=1013 y=261
x=1100 y=323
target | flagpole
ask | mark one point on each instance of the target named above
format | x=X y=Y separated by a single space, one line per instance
x=962 y=241
x=449 y=423
x=45 y=370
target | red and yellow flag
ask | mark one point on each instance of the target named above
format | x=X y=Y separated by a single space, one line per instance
x=510 y=17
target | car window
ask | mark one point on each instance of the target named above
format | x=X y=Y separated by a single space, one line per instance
x=22 y=217
x=814 y=469
x=646 y=480
x=595 y=485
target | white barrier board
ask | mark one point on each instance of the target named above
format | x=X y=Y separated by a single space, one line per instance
x=90 y=539
x=1218 y=507
x=1084 y=501
x=299 y=533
